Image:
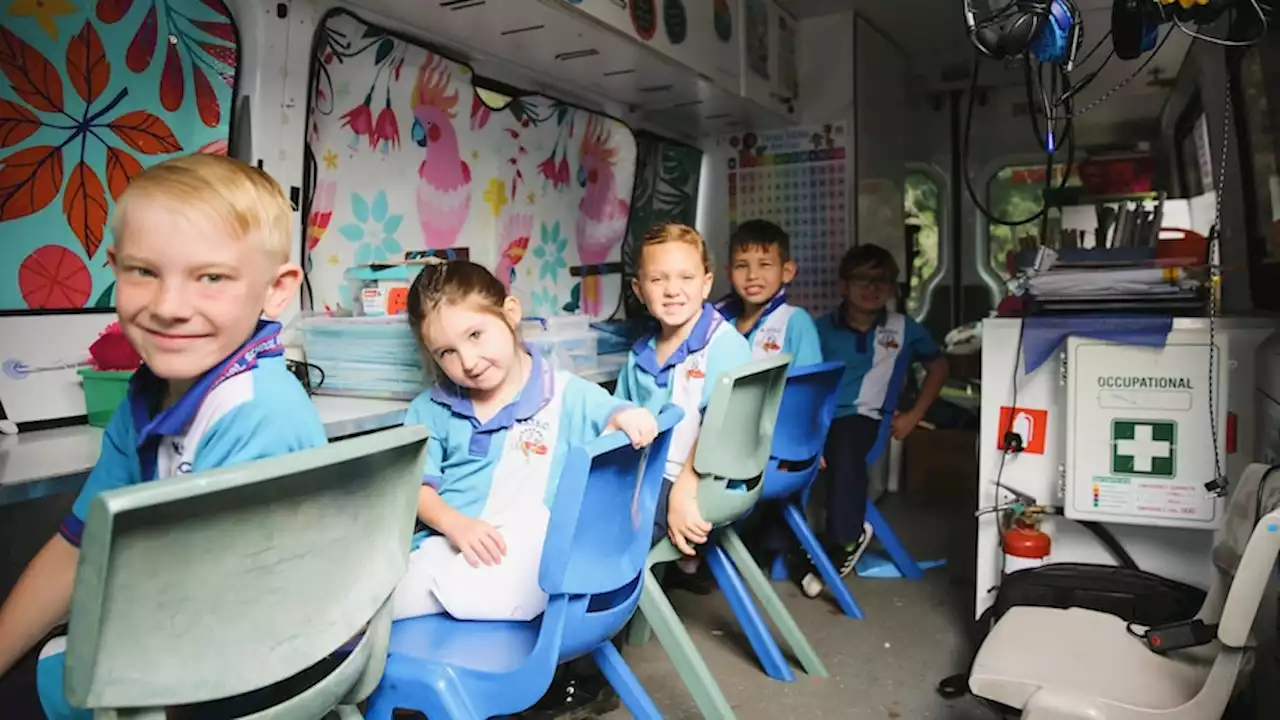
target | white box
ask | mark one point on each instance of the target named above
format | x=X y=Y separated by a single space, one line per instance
x=1139 y=437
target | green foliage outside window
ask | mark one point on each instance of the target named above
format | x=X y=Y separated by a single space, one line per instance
x=921 y=205
x=1012 y=194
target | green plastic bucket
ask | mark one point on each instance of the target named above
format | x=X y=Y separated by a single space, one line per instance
x=104 y=390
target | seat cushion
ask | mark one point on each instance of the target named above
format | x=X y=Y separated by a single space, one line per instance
x=1084 y=653
x=491 y=647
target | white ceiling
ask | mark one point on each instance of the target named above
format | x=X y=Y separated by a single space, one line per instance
x=932 y=34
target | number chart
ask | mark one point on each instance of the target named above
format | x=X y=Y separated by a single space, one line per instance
x=797 y=179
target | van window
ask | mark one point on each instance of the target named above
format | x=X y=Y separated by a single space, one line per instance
x=922 y=208
x=1015 y=192
x=92 y=96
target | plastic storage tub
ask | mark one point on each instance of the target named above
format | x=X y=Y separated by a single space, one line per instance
x=104 y=390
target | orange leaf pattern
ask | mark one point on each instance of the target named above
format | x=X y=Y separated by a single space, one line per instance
x=16 y=123
x=87 y=64
x=80 y=118
x=121 y=168
x=29 y=180
x=145 y=133
x=85 y=205
x=32 y=76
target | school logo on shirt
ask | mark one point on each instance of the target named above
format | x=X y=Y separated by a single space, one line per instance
x=693 y=368
x=769 y=340
x=887 y=338
x=531 y=441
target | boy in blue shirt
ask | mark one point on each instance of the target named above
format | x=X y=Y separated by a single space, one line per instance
x=877 y=347
x=760 y=268
x=679 y=363
x=201 y=254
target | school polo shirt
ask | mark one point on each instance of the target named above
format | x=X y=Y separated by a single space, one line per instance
x=782 y=327
x=554 y=411
x=875 y=360
x=247 y=408
x=713 y=347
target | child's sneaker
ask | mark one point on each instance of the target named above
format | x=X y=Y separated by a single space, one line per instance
x=844 y=558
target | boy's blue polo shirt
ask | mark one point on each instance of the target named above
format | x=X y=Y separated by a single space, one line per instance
x=647 y=383
x=247 y=408
x=782 y=327
x=462 y=452
x=875 y=360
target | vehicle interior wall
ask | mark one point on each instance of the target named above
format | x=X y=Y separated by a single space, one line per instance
x=1203 y=79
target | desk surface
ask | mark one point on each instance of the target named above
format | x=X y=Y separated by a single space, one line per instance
x=46 y=462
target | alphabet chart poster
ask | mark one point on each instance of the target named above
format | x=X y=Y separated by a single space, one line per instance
x=798 y=179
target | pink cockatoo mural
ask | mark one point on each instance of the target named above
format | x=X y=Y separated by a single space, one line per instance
x=602 y=214
x=454 y=183
x=444 y=189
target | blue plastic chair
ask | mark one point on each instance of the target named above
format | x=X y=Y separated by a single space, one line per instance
x=592 y=564
x=880 y=527
x=808 y=407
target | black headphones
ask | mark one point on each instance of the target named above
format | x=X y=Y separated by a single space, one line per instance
x=1049 y=29
x=1135 y=24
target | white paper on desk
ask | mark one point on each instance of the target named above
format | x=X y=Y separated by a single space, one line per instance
x=40 y=340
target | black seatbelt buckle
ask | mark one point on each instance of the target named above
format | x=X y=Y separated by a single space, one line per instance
x=1178 y=636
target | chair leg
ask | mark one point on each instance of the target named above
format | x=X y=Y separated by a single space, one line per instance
x=625 y=682
x=897 y=551
x=675 y=639
x=778 y=568
x=638 y=630
x=835 y=584
x=749 y=617
x=755 y=578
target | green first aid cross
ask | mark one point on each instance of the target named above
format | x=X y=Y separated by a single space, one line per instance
x=1144 y=447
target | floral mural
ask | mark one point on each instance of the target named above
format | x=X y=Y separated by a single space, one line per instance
x=411 y=154
x=94 y=93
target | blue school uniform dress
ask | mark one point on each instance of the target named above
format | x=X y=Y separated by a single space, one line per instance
x=686 y=379
x=780 y=328
x=247 y=408
x=504 y=471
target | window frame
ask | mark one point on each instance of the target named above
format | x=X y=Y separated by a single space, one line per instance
x=943 y=216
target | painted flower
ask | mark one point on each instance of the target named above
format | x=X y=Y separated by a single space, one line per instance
x=550 y=251
x=360 y=121
x=545 y=302
x=555 y=173
x=374 y=229
x=496 y=196
x=386 y=131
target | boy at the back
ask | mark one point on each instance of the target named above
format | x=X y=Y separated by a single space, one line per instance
x=760 y=268
x=201 y=254
x=877 y=346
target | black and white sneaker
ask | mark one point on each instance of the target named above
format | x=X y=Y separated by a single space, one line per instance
x=844 y=558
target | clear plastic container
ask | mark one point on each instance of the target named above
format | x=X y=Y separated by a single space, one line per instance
x=374 y=357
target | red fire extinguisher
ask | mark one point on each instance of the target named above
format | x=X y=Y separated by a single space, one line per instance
x=1025 y=546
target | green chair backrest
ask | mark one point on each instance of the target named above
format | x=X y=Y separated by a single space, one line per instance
x=736 y=437
x=215 y=584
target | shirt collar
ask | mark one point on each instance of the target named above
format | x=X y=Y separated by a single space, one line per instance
x=839 y=318
x=536 y=393
x=730 y=306
x=646 y=351
x=146 y=390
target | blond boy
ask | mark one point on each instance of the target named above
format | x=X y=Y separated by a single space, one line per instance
x=201 y=256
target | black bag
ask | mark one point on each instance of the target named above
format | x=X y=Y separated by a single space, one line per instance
x=1126 y=592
